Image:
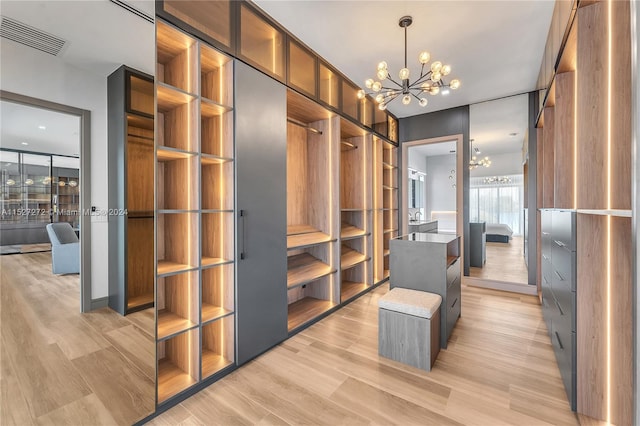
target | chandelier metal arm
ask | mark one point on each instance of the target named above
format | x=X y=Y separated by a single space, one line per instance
x=393 y=81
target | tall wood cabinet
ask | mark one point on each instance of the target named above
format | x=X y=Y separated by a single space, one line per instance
x=586 y=168
x=194 y=212
x=131 y=164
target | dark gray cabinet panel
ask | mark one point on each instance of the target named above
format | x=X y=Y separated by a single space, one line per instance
x=261 y=248
x=559 y=291
x=478 y=241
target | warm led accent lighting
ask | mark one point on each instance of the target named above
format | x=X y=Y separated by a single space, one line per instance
x=575 y=139
x=609 y=85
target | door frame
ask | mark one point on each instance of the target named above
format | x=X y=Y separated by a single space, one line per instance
x=85 y=183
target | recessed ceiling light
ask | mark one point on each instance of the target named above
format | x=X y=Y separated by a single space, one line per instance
x=512 y=134
x=25 y=143
x=41 y=127
x=445 y=92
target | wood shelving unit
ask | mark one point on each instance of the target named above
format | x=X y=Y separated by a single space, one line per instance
x=351 y=257
x=388 y=212
x=194 y=211
x=312 y=231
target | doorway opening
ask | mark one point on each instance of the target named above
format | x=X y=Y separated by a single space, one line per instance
x=43 y=192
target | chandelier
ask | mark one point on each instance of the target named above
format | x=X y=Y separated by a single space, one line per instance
x=430 y=82
x=497 y=179
x=475 y=163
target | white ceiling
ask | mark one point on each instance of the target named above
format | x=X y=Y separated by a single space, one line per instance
x=494 y=47
x=433 y=149
x=22 y=124
x=101 y=35
x=491 y=123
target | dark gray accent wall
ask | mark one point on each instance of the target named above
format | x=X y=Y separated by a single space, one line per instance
x=261 y=195
x=532 y=198
x=448 y=122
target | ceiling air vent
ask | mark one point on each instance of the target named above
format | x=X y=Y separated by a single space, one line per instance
x=31 y=37
x=139 y=13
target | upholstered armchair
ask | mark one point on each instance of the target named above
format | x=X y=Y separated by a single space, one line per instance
x=65 y=248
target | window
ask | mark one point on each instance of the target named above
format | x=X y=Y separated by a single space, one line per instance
x=497 y=202
x=416 y=192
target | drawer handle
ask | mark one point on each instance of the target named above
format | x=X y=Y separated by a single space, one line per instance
x=545 y=279
x=560 y=277
x=559 y=307
x=453 y=282
x=545 y=257
x=545 y=233
x=454 y=303
x=559 y=243
x=559 y=341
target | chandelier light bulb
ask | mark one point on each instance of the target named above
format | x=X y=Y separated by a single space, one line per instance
x=28 y=182
x=382 y=74
x=424 y=57
x=368 y=83
x=379 y=98
x=382 y=66
x=406 y=99
x=426 y=86
x=435 y=77
x=446 y=70
x=436 y=66
x=423 y=102
x=382 y=107
x=376 y=86
x=11 y=182
x=404 y=74
x=454 y=84
x=434 y=90
x=361 y=94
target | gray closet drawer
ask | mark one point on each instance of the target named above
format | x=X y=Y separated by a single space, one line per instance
x=563 y=229
x=453 y=272
x=564 y=272
x=566 y=303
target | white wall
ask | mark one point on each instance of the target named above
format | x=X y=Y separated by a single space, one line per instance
x=501 y=165
x=32 y=73
x=441 y=195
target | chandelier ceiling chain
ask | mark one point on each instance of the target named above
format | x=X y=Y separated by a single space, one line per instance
x=430 y=82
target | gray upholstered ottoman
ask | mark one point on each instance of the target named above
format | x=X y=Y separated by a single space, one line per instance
x=409 y=327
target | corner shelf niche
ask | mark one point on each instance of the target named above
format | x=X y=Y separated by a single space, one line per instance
x=217 y=345
x=178 y=361
x=177 y=304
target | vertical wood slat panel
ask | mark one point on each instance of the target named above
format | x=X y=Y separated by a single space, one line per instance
x=564 y=149
x=548 y=156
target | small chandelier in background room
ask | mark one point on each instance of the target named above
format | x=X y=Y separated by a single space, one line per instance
x=475 y=163
x=430 y=82
x=497 y=179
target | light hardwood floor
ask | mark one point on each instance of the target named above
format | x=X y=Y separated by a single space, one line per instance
x=505 y=262
x=499 y=368
x=63 y=367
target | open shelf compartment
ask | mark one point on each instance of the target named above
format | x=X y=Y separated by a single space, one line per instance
x=178 y=361
x=217 y=238
x=353 y=224
x=217 y=292
x=176 y=52
x=216 y=76
x=352 y=253
x=177 y=242
x=140 y=276
x=217 y=345
x=177 y=119
x=303 y=268
x=177 y=303
x=217 y=185
x=354 y=281
x=177 y=182
x=309 y=301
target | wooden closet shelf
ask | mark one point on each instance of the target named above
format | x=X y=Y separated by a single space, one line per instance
x=141 y=121
x=386 y=252
x=170 y=154
x=352 y=210
x=141 y=300
x=307 y=240
x=386 y=273
x=389 y=187
x=213 y=362
x=171 y=380
x=207 y=159
x=305 y=310
x=209 y=108
x=140 y=214
x=351 y=257
x=170 y=324
x=170 y=97
x=348 y=289
x=388 y=166
x=300 y=229
x=214 y=261
x=212 y=312
x=451 y=259
x=386 y=231
x=166 y=267
x=349 y=231
x=304 y=268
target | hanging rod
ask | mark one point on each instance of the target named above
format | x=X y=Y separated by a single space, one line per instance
x=306 y=126
x=349 y=145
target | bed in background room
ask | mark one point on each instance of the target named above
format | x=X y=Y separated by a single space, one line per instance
x=498 y=233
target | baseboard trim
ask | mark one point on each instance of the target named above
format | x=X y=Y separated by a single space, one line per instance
x=502 y=286
x=102 y=302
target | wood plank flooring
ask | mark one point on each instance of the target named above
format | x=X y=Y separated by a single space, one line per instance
x=505 y=262
x=499 y=369
x=63 y=367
